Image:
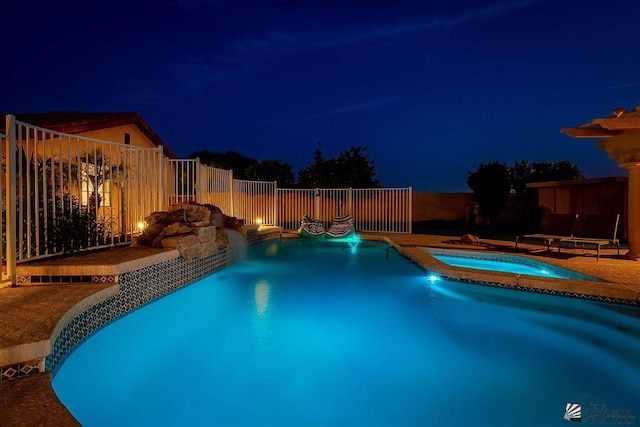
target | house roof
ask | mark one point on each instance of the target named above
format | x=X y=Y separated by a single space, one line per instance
x=619 y=122
x=75 y=122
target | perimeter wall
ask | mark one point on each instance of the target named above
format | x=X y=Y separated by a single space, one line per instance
x=441 y=206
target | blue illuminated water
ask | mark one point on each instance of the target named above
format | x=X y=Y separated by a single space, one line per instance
x=304 y=333
x=509 y=264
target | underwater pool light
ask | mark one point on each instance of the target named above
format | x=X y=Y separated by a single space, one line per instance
x=433 y=278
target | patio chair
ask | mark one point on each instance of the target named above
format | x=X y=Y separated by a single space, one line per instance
x=598 y=230
x=555 y=228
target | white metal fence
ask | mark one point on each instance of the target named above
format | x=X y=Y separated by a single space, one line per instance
x=255 y=201
x=68 y=192
x=63 y=192
x=217 y=188
x=375 y=210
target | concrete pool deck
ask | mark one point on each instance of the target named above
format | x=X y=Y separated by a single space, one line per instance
x=31 y=316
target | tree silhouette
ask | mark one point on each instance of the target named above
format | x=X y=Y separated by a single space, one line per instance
x=229 y=160
x=490 y=185
x=271 y=170
x=352 y=168
x=523 y=173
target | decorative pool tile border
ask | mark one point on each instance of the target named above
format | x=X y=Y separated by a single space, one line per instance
x=21 y=369
x=546 y=291
x=253 y=237
x=41 y=280
x=138 y=288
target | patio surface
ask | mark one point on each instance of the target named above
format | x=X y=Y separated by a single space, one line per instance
x=33 y=314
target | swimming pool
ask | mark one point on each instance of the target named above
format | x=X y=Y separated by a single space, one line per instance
x=304 y=333
x=506 y=264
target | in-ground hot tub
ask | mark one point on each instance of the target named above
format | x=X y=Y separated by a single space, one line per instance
x=505 y=263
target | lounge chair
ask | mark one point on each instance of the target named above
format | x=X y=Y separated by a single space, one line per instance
x=342 y=226
x=555 y=228
x=311 y=228
x=598 y=230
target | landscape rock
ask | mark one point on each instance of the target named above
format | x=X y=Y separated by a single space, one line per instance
x=195 y=230
x=174 y=229
x=150 y=232
x=156 y=217
x=233 y=223
x=217 y=217
x=221 y=238
x=470 y=238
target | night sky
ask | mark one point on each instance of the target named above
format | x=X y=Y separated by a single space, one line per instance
x=433 y=88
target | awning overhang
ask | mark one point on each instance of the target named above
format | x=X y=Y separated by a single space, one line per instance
x=594 y=132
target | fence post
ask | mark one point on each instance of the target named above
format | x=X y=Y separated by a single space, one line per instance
x=316 y=205
x=410 y=210
x=10 y=204
x=124 y=190
x=350 y=205
x=275 y=203
x=199 y=181
x=231 y=201
x=161 y=174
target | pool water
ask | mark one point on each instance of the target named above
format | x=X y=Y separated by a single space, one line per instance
x=301 y=333
x=507 y=264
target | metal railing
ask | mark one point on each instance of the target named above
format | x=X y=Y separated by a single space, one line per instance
x=216 y=188
x=67 y=192
x=64 y=192
x=293 y=204
x=182 y=180
x=375 y=210
x=254 y=201
x=382 y=209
